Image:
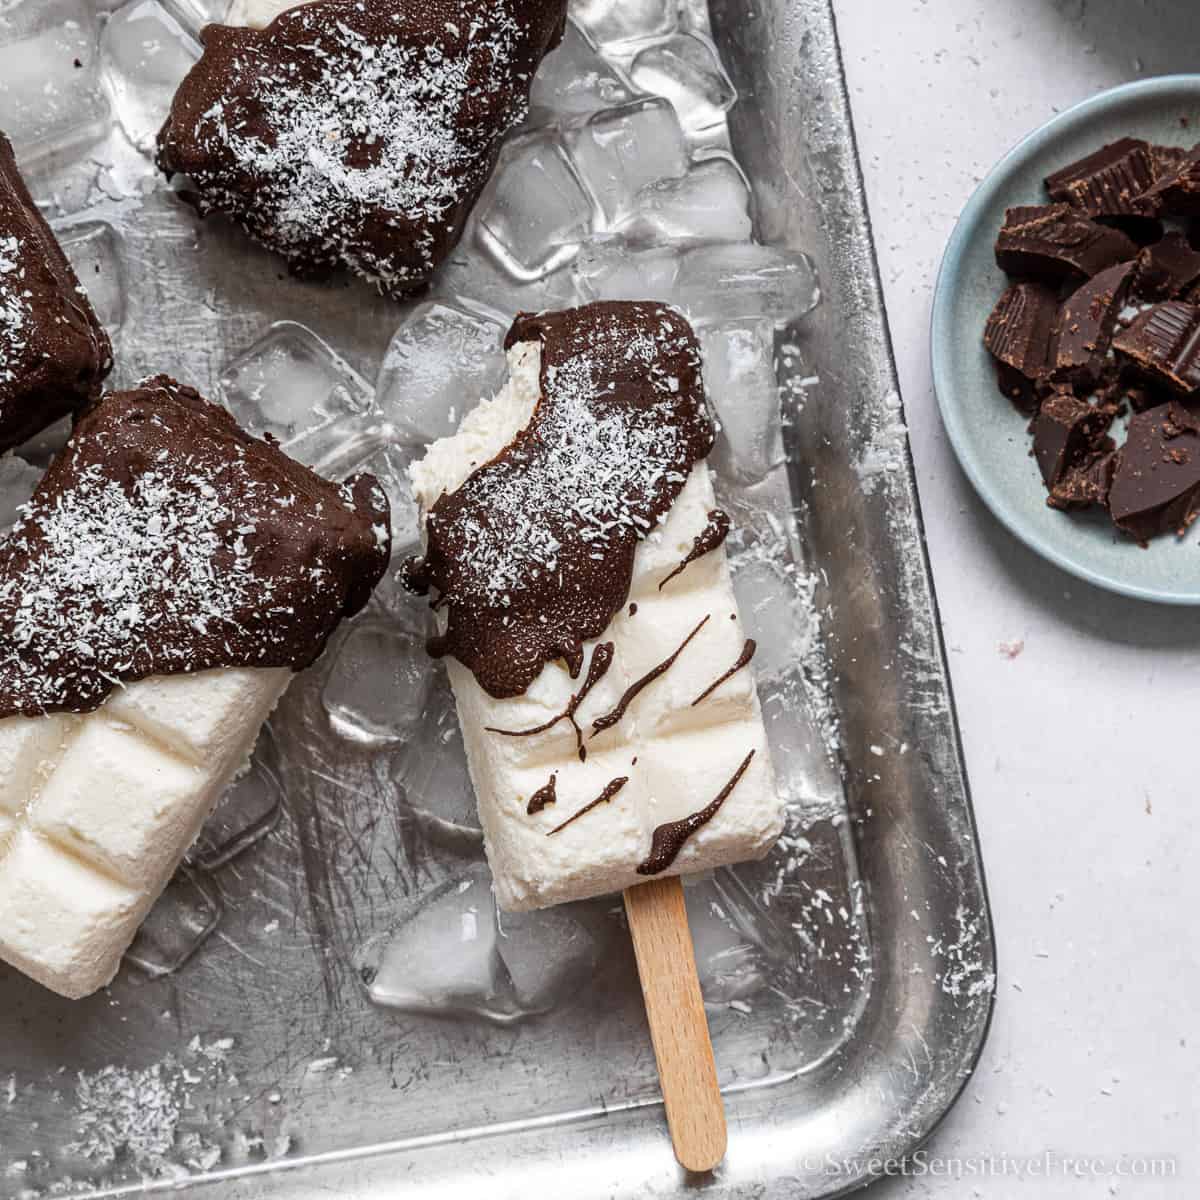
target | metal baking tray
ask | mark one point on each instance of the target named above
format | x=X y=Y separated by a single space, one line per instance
x=323 y=1002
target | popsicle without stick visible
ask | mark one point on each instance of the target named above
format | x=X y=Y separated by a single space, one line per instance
x=584 y=607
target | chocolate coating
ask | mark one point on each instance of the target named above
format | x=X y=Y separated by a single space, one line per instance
x=533 y=555
x=357 y=135
x=54 y=354
x=162 y=540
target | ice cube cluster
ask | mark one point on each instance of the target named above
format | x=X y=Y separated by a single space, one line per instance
x=620 y=184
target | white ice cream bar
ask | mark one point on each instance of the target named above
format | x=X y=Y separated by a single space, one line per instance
x=675 y=755
x=97 y=811
x=256 y=14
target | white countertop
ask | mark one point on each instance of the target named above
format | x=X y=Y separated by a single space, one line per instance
x=1086 y=794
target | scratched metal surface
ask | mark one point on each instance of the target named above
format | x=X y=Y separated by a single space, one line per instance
x=849 y=977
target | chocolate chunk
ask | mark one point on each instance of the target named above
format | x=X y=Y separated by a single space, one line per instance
x=163 y=540
x=1055 y=243
x=1107 y=182
x=54 y=354
x=1065 y=431
x=1085 y=484
x=1177 y=192
x=1084 y=326
x=1164 y=343
x=1167 y=269
x=1018 y=334
x=533 y=555
x=1156 y=484
x=357 y=135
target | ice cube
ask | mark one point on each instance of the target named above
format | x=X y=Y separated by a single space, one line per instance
x=94 y=250
x=250 y=808
x=178 y=925
x=610 y=21
x=725 y=281
x=145 y=53
x=435 y=775
x=375 y=694
x=389 y=464
x=771 y=610
x=576 y=78
x=536 y=210
x=442 y=958
x=621 y=150
x=17 y=481
x=51 y=98
x=686 y=69
x=710 y=203
x=439 y=363
x=730 y=966
x=548 y=955
x=739 y=379
x=294 y=386
x=610 y=270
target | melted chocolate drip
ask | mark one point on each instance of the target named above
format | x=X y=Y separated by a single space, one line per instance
x=743 y=660
x=53 y=352
x=610 y=790
x=533 y=555
x=546 y=794
x=631 y=693
x=357 y=135
x=667 y=840
x=602 y=659
x=706 y=541
x=163 y=540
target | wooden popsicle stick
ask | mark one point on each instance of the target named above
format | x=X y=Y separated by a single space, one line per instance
x=687 y=1071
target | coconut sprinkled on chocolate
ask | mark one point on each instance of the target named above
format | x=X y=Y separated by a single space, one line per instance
x=347 y=134
x=533 y=554
x=163 y=540
x=53 y=353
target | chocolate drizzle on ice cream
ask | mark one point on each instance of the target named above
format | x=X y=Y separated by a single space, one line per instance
x=163 y=540
x=533 y=555
x=357 y=135
x=706 y=541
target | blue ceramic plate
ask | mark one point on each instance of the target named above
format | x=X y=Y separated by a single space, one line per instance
x=988 y=434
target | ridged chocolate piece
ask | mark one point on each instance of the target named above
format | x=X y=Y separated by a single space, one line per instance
x=1177 y=193
x=1108 y=182
x=1166 y=270
x=1018 y=335
x=357 y=135
x=163 y=540
x=1164 y=342
x=1084 y=326
x=54 y=354
x=533 y=554
x=1156 y=484
x=1066 y=431
x=1055 y=243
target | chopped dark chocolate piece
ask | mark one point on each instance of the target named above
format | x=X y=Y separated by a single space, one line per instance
x=163 y=540
x=357 y=135
x=1142 y=230
x=1055 y=243
x=1156 y=484
x=1065 y=431
x=1164 y=343
x=1167 y=269
x=1018 y=336
x=1086 y=484
x=1177 y=192
x=1084 y=327
x=1107 y=182
x=54 y=354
